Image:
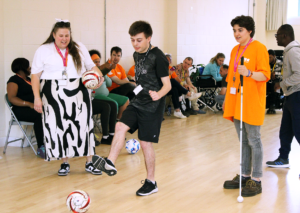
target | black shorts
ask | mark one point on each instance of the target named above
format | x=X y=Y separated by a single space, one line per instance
x=147 y=123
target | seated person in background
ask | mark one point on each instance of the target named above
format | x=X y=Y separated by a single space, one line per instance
x=221 y=96
x=213 y=68
x=273 y=87
x=172 y=72
x=182 y=71
x=120 y=83
x=131 y=74
x=20 y=95
x=110 y=106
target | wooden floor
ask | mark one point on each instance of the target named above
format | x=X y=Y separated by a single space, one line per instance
x=194 y=157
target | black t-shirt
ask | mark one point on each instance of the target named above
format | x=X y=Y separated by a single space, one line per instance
x=224 y=83
x=24 y=89
x=155 y=66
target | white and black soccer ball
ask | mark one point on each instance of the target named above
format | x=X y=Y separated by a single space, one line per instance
x=90 y=79
x=132 y=146
x=78 y=201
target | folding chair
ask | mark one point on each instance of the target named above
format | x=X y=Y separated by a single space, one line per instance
x=15 y=121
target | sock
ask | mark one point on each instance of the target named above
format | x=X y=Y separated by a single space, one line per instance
x=88 y=163
x=151 y=181
x=256 y=181
x=105 y=136
x=112 y=134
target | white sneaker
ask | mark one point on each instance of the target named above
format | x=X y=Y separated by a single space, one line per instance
x=195 y=96
x=179 y=114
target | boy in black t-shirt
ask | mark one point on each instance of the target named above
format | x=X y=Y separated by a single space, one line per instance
x=145 y=111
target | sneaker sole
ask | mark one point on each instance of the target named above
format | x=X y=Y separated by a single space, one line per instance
x=251 y=195
x=100 y=164
x=93 y=172
x=279 y=166
x=145 y=194
x=233 y=187
x=63 y=174
x=179 y=117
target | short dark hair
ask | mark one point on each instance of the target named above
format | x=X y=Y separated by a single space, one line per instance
x=92 y=52
x=288 y=30
x=20 y=64
x=245 y=21
x=116 y=49
x=190 y=58
x=271 y=52
x=225 y=66
x=140 y=27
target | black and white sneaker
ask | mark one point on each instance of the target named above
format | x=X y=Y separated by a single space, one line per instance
x=104 y=165
x=147 y=189
x=89 y=167
x=279 y=163
x=64 y=169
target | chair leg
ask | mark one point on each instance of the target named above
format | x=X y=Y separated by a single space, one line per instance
x=27 y=139
x=7 y=136
x=23 y=139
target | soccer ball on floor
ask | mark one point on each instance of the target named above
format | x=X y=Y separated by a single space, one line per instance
x=132 y=146
x=78 y=201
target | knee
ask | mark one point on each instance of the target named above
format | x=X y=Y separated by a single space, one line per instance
x=120 y=128
x=145 y=145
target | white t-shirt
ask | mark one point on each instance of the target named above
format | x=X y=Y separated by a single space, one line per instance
x=47 y=59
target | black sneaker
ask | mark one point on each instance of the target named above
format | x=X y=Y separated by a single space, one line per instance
x=279 y=163
x=235 y=182
x=89 y=167
x=191 y=112
x=64 y=169
x=97 y=143
x=186 y=114
x=252 y=188
x=147 y=189
x=104 y=165
x=108 y=140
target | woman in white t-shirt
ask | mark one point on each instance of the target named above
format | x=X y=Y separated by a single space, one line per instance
x=65 y=102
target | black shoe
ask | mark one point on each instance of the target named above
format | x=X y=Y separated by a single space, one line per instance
x=89 y=167
x=64 y=169
x=279 y=163
x=97 y=143
x=271 y=111
x=108 y=140
x=252 y=188
x=185 y=113
x=235 y=182
x=147 y=189
x=104 y=165
x=191 y=112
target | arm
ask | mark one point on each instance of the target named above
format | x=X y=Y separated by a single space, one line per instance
x=163 y=91
x=177 y=79
x=96 y=69
x=223 y=91
x=12 y=90
x=108 y=81
x=214 y=72
x=258 y=76
x=189 y=82
x=294 y=79
x=35 y=83
x=119 y=81
x=106 y=67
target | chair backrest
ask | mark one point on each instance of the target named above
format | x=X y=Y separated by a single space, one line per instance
x=7 y=101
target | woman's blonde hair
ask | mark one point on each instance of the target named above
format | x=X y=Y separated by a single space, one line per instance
x=214 y=59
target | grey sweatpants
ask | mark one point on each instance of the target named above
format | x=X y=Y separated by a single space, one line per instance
x=252 y=149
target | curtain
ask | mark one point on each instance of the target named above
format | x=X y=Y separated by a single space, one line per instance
x=276 y=14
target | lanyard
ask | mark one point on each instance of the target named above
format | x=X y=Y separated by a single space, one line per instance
x=140 y=65
x=28 y=82
x=65 y=59
x=236 y=62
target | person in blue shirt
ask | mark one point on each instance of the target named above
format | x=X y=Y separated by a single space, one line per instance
x=213 y=68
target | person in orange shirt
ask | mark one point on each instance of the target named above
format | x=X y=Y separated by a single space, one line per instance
x=120 y=83
x=131 y=74
x=255 y=72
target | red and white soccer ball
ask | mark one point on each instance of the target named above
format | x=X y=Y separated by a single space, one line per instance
x=90 y=79
x=78 y=201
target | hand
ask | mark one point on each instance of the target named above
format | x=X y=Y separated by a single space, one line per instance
x=223 y=106
x=101 y=80
x=31 y=105
x=38 y=105
x=242 y=69
x=187 y=87
x=133 y=83
x=273 y=76
x=276 y=86
x=154 y=95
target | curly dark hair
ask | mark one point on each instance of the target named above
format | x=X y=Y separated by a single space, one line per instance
x=140 y=27
x=92 y=52
x=245 y=21
x=20 y=64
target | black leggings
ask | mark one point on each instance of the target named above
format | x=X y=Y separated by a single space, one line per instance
x=108 y=111
x=30 y=115
x=126 y=90
x=176 y=91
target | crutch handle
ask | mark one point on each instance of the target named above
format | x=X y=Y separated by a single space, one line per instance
x=241 y=76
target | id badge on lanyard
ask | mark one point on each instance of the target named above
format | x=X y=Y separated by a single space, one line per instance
x=64 y=80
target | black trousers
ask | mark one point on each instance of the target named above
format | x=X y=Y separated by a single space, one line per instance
x=30 y=115
x=290 y=124
x=176 y=91
x=126 y=90
x=108 y=111
x=272 y=94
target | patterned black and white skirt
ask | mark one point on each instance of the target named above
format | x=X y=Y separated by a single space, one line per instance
x=67 y=119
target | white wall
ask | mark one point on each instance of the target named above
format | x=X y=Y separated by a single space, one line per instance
x=204 y=28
